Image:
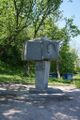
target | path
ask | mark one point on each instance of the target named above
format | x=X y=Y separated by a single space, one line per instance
x=17 y=104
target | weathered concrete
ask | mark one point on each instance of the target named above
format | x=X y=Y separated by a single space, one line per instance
x=24 y=106
x=42 y=51
x=42 y=74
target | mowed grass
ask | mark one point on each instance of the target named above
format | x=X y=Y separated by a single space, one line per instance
x=12 y=74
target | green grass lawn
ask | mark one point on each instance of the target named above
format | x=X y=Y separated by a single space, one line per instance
x=16 y=75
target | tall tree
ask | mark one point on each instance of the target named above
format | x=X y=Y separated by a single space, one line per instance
x=44 y=9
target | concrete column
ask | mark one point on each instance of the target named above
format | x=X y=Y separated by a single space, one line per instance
x=42 y=75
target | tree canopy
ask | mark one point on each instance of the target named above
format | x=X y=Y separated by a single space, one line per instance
x=22 y=20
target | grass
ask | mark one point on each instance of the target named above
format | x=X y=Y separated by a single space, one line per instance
x=60 y=81
x=16 y=75
x=10 y=74
x=76 y=81
x=15 y=78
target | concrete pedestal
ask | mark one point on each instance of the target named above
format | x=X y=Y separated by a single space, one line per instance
x=42 y=74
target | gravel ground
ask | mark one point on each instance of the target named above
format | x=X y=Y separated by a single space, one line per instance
x=17 y=102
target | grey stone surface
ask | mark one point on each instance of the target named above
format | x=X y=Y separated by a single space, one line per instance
x=29 y=107
x=42 y=49
x=42 y=74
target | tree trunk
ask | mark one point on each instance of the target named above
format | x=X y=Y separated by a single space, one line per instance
x=26 y=69
x=58 y=71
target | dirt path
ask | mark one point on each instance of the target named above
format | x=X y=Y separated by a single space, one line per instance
x=16 y=103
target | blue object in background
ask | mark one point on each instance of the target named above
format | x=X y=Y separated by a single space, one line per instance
x=53 y=75
x=68 y=76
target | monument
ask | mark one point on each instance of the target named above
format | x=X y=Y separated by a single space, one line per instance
x=42 y=51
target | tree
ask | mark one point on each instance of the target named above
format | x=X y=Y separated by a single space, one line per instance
x=64 y=35
x=68 y=59
x=44 y=9
x=21 y=20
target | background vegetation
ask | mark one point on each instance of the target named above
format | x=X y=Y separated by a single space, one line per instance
x=22 y=20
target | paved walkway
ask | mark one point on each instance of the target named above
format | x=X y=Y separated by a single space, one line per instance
x=18 y=103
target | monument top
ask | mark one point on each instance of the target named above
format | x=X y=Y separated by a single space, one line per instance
x=41 y=49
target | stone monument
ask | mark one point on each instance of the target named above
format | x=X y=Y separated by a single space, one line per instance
x=42 y=51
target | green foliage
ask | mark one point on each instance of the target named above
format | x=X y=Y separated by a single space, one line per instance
x=60 y=81
x=44 y=9
x=11 y=74
x=68 y=58
x=77 y=80
x=22 y=20
x=77 y=83
x=71 y=28
x=10 y=55
x=14 y=74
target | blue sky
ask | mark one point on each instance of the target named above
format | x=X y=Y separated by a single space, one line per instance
x=72 y=9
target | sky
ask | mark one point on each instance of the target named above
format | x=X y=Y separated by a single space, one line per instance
x=72 y=9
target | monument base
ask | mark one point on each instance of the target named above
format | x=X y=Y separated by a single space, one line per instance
x=49 y=91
